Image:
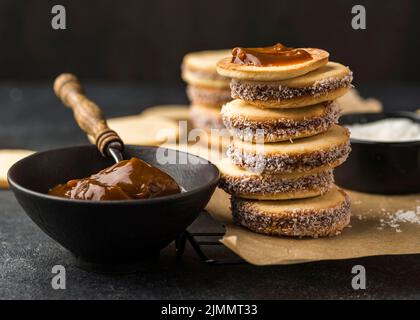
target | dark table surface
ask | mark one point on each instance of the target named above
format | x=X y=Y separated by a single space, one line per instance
x=31 y=117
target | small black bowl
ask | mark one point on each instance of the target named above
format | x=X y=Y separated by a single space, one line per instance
x=110 y=235
x=380 y=167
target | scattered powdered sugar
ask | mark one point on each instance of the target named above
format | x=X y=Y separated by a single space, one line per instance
x=386 y=130
x=393 y=220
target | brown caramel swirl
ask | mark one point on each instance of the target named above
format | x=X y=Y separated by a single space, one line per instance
x=277 y=55
x=128 y=179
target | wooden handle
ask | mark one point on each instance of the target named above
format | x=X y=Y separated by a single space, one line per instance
x=87 y=114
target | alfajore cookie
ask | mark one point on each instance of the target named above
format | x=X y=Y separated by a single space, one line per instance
x=247 y=121
x=330 y=148
x=326 y=215
x=8 y=157
x=247 y=184
x=199 y=69
x=246 y=69
x=324 y=84
x=206 y=116
x=208 y=95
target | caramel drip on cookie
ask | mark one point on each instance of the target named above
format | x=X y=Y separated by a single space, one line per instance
x=277 y=55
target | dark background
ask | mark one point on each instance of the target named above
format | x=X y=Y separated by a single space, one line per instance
x=115 y=47
x=132 y=40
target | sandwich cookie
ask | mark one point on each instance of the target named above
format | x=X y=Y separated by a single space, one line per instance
x=247 y=121
x=199 y=69
x=330 y=148
x=324 y=84
x=208 y=95
x=271 y=63
x=206 y=116
x=326 y=215
x=246 y=184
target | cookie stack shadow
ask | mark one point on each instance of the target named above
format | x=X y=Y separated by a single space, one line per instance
x=286 y=143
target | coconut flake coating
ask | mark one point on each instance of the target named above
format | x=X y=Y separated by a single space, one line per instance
x=268 y=184
x=295 y=223
x=281 y=129
x=259 y=162
x=260 y=91
x=203 y=95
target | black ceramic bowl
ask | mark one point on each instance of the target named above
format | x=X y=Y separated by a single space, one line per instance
x=104 y=234
x=380 y=167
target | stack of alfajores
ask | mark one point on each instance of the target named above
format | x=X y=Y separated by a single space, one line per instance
x=206 y=89
x=279 y=169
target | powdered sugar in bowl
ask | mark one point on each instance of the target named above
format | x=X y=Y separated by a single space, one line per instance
x=385 y=155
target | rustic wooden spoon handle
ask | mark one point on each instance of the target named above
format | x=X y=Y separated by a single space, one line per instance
x=87 y=114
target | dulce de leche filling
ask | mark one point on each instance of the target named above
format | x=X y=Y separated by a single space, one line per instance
x=128 y=179
x=276 y=55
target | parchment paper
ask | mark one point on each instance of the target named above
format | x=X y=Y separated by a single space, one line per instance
x=352 y=102
x=363 y=238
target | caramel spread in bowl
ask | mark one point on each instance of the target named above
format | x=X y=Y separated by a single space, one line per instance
x=277 y=55
x=128 y=179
